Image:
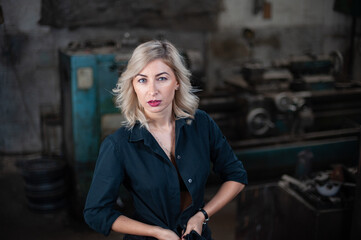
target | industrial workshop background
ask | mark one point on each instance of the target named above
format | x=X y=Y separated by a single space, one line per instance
x=282 y=79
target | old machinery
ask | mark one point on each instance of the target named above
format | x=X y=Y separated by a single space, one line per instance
x=88 y=75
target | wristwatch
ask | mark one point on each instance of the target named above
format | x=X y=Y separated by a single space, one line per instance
x=205 y=215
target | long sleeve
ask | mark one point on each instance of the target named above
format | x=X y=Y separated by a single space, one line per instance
x=225 y=162
x=108 y=175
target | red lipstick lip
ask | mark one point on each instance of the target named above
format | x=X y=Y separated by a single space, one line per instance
x=154 y=103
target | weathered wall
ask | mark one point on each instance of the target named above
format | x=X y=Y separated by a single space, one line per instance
x=29 y=67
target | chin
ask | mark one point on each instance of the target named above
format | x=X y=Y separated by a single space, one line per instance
x=152 y=110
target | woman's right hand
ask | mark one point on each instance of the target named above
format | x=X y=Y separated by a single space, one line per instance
x=166 y=234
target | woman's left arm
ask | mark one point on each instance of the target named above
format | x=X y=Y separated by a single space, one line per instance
x=226 y=193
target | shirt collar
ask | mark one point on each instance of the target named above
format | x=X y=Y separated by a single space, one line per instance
x=138 y=133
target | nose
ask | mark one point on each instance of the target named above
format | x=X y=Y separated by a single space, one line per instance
x=153 y=90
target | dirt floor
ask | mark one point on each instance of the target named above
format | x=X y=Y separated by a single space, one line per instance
x=18 y=222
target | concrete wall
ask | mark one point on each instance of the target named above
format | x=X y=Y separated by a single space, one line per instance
x=29 y=76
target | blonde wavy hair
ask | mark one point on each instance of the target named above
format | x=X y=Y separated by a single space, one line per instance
x=185 y=102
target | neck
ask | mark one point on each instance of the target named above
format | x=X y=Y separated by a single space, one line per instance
x=161 y=123
x=160 y=120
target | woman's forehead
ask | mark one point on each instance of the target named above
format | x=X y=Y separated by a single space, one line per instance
x=156 y=66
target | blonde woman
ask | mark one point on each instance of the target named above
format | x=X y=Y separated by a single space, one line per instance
x=162 y=154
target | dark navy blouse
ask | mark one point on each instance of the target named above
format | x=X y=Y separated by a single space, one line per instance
x=133 y=157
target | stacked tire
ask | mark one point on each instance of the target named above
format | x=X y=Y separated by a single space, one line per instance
x=45 y=184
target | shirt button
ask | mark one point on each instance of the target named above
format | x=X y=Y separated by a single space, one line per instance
x=178 y=157
x=190 y=180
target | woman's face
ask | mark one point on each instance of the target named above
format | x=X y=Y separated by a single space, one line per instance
x=155 y=87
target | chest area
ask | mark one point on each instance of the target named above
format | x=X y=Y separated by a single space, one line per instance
x=150 y=169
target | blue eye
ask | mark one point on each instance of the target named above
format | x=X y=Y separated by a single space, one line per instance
x=142 y=80
x=162 y=78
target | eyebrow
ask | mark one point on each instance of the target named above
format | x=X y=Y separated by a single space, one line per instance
x=161 y=74
x=142 y=75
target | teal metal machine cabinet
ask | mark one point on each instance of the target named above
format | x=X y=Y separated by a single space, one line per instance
x=88 y=111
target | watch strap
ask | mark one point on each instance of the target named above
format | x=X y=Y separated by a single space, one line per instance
x=205 y=214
